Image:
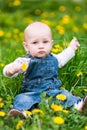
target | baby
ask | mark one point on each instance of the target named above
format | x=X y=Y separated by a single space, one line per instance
x=41 y=73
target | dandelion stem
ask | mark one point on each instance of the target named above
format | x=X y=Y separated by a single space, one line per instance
x=74 y=85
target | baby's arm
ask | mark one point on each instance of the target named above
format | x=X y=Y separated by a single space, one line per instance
x=14 y=68
x=68 y=53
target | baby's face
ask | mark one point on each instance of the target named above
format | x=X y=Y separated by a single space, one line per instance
x=39 y=42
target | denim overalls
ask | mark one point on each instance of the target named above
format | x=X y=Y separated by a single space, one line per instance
x=41 y=76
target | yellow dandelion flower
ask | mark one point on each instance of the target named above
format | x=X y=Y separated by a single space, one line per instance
x=85 y=26
x=46 y=22
x=1 y=33
x=1 y=104
x=75 y=29
x=36 y=111
x=28 y=20
x=37 y=11
x=1 y=99
x=28 y=113
x=85 y=17
x=56 y=107
x=61 y=97
x=2 y=64
x=65 y=19
x=85 y=90
x=58 y=47
x=54 y=50
x=2 y=114
x=86 y=127
x=60 y=29
x=19 y=124
x=44 y=14
x=62 y=8
x=24 y=67
x=17 y=3
x=61 y=32
x=65 y=111
x=21 y=35
x=16 y=30
x=79 y=74
x=58 y=120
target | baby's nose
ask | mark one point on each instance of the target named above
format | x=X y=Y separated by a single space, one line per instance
x=41 y=45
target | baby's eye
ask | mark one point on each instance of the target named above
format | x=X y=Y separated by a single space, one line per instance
x=34 y=42
x=45 y=41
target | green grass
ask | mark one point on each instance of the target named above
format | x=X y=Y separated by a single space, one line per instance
x=13 y=20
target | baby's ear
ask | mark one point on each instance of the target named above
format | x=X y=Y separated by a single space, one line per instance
x=25 y=45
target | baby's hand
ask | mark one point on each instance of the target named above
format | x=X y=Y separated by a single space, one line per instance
x=24 y=62
x=74 y=44
x=13 y=68
x=19 y=65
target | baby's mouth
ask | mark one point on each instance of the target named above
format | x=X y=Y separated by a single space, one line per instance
x=41 y=52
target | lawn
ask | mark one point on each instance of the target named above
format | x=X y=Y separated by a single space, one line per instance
x=67 y=19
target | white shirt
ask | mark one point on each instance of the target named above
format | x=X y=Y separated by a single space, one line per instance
x=62 y=58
